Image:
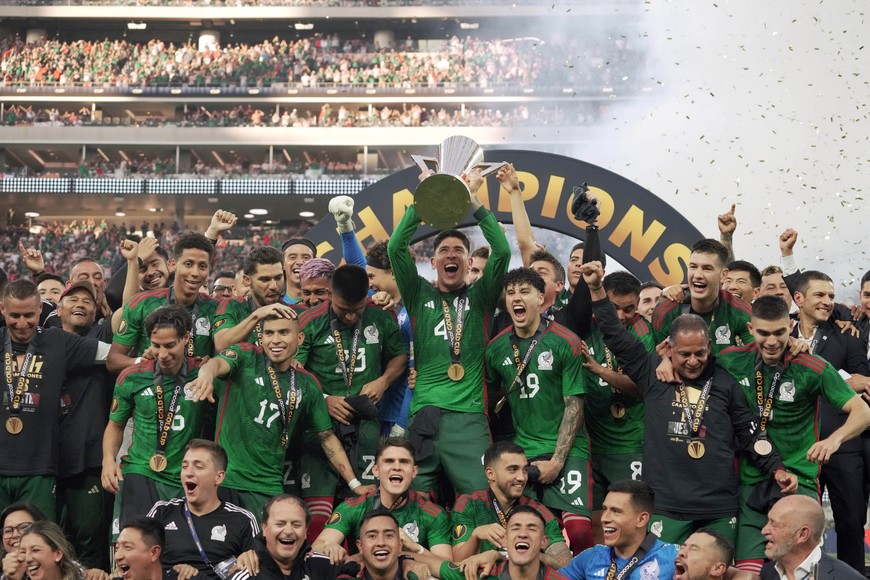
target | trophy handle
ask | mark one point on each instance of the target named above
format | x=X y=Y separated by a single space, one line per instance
x=490 y=168
x=423 y=162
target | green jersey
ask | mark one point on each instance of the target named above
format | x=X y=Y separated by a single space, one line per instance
x=131 y=330
x=554 y=371
x=792 y=426
x=610 y=434
x=562 y=299
x=473 y=510
x=377 y=338
x=424 y=521
x=424 y=303
x=135 y=396
x=727 y=321
x=250 y=427
x=231 y=312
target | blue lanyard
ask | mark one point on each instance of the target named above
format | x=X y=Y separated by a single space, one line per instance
x=193 y=533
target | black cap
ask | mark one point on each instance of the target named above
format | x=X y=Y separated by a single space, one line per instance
x=303 y=241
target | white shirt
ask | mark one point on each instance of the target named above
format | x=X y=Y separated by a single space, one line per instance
x=804 y=569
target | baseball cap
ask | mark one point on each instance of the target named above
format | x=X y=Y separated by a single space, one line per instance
x=80 y=284
x=303 y=241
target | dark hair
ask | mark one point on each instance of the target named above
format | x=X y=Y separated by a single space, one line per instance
x=621 y=284
x=711 y=246
x=267 y=509
x=526 y=509
x=722 y=544
x=351 y=283
x=173 y=316
x=769 y=308
x=224 y=274
x=377 y=257
x=218 y=454
x=151 y=530
x=579 y=246
x=642 y=495
x=803 y=281
x=394 y=442
x=21 y=289
x=377 y=513
x=688 y=323
x=770 y=270
x=650 y=284
x=545 y=256
x=864 y=279
x=528 y=276
x=444 y=234
x=481 y=252
x=749 y=268
x=48 y=276
x=4 y=278
x=193 y=241
x=271 y=317
x=261 y=255
x=496 y=450
x=35 y=514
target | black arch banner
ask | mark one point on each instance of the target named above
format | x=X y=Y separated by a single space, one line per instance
x=646 y=235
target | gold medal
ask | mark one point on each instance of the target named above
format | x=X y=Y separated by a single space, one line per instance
x=157 y=462
x=763 y=447
x=617 y=410
x=500 y=405
x=696 y=449
x=14 y=425
x=456 y=372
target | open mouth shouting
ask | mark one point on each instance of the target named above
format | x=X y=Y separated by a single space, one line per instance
x=381 y=554
x=680 y=570
x=190 y=488
x=125 y=570
x=519 y=312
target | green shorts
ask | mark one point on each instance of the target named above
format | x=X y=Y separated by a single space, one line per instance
x=750 y=542
x=459 y=445
x=571 y=492
x=319 y=479
x=250 y=500
x=39 y=490
x=675 y=531
x=610 y=467
x=136 y=496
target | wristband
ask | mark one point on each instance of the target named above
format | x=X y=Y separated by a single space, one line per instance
x=354 y=483
x=138 y=360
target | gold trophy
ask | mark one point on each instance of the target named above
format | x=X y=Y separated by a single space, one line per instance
x=442 y=199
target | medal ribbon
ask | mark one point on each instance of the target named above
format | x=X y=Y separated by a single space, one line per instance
x=522 y=363
x=454 y=335
x=502 y=517
x=16 y=391
x=765 y=404
x=259 y=327
x=193 y=312
x=694 y=419
x=165 y=416
x=288 y=409
x=615 y=396
x=193 y=533
x=347 y=370
x=647 y=545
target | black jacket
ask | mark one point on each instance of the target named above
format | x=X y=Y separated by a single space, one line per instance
x=307 y=565
x=829 y=569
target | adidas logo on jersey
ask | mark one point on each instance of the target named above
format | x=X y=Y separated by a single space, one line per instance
x=577 y=502
x=94 y=490
x=147 y=393
x=744 y=381
x=259 y=381
x=431 y=304
x=507 y=362
x=171 y=526
x=329 y=340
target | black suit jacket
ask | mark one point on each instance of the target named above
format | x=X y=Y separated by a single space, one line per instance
x=829 y=569
x=845 y=352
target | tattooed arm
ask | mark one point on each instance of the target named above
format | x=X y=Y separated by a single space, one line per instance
x=557 y=555
x=567 y=433
x=338 y=458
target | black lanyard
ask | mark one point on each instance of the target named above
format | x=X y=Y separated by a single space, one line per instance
x=164 y=415
x=286 y=410
x=523 y=363
x=193 y=312
x=17 y=391
x=642 y=550
x=454 y=334
x=345 y=362
x=193 y=533
x=694 y=418
x=258 y=328
x=499 y=512
x=765 y=404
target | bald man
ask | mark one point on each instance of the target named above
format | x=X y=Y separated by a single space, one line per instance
x=793 y=533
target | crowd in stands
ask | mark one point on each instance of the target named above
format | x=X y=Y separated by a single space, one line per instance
x=415 y=115
x=245 y=3
x=310 y=62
